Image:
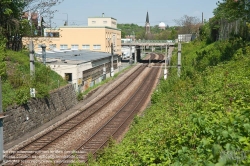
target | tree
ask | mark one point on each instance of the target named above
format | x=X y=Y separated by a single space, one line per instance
x=233 y=10
x=232 y=17
x=173 y=34
x=12 y=25
x=188 y=24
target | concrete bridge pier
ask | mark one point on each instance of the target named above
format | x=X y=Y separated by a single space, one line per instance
x=138 y=53
x=136 y=56
x=130 y=56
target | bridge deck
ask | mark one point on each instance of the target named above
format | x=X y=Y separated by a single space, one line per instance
x=147 y=44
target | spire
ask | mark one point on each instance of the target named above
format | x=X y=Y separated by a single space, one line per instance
x=147 y=19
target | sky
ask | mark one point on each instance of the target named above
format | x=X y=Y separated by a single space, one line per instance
x=132 y=11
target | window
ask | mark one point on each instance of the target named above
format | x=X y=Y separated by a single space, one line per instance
x=105 y=22
x=74 y=47
x=68 y=77
x=63 y=46
x=52 y=46
x=85 y=47
x=93 y=22
x=96 y=47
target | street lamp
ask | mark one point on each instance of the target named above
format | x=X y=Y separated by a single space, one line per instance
x=67 y=19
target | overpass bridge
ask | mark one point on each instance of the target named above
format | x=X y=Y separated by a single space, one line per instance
x=148 y=43
x=141 y=46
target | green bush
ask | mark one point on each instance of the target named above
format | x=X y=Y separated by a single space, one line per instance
x=197 y=120
x=17 y=82
x=22 y=95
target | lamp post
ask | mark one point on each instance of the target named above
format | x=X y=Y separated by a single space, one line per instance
x=67 y=19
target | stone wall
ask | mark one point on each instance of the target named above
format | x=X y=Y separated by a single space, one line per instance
x=25 y=118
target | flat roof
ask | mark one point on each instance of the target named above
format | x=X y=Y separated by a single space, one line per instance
x=103 y=17
x=73 y=57
x=107 y=27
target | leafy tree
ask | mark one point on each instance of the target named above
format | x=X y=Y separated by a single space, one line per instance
x=232 y=17
x=188 y=24
x=12 y=27
x=233 y=10
x=173 y=34
x=123 y=34
x=2 y=56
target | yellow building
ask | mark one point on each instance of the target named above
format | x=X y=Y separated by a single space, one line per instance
x=97 y=36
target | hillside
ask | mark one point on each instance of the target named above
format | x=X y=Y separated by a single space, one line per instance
x=201 y=118
x=16 y=82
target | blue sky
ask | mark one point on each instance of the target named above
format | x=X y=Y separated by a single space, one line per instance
x=132 y=11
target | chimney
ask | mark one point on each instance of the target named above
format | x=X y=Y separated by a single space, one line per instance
x=102 y=14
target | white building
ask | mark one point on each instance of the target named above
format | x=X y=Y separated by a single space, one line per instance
x=162 y=26
x=81 y=68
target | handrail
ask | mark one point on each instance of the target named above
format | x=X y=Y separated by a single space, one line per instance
x=149 y=41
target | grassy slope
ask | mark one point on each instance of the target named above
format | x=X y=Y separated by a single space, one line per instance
x=201 y=118
x=17 y=83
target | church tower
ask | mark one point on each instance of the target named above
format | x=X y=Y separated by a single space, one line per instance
x=147 y=25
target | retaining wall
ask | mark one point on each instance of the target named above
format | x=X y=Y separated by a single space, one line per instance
x=25 y=118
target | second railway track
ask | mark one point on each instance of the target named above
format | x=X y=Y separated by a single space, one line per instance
x=100 y=138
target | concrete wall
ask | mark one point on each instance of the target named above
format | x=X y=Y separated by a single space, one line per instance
x=25 y=118
x=102 y=21
x=82 y=78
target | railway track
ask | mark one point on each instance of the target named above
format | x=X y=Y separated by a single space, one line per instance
x=100 y=138
x=65 y=128
x=114 y=127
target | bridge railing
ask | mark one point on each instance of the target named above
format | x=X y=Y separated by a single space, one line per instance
x=149 y=41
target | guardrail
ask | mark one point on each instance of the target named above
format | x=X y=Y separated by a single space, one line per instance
x=150 y=41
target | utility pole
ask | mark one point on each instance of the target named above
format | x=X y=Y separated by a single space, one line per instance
x=67 y=23
x=44 y=53
x=179 y=60
x=112 y=53
x=32 y=63
x=104 y=72
x=165 y=70
x=1 y=123
x=202 y=18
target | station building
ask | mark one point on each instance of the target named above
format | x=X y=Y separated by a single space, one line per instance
x=97 y=36
x=81 y=68
x=81 y=54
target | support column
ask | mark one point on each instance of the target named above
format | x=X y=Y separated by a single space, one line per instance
x=130 y=56
x=135 y=55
